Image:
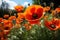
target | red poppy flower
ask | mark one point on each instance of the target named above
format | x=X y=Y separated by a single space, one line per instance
x=19 y=8
x=53 y=24
x=33 y=14
x=7 y=24
x=57 y=9
x=20 y=15
x=46 y=9
x=6 y=32
x=12 y=18
x=1 y=19
x=20 y=18
x=28 y=27
x=18 y=21
x=56 y=13
x=6 y=16
x=1 y=31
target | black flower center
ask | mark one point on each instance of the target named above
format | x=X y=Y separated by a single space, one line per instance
x=35 y=16
x=52 y=26
x=6 y=28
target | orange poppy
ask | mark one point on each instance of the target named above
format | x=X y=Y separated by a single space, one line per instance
x=56 y=13
x=19 y=8
x=18 y=21
x=3 y=38
x=20 y=15
x=12 y=18
x=1 y=19
x=7 y=24
x=33 y=14
x=6 y=16
x=53 y=12
x=57 y=9
x=20 y=18
x=27 y=26
x=6 y=32
x=1 y=25
x=54 y=24
x=46 y=9
x=1 y=31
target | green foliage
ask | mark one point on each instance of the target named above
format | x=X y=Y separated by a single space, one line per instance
x=36 y=33
x=36 y=2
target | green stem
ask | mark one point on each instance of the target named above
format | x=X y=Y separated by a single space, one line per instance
x=55 y=34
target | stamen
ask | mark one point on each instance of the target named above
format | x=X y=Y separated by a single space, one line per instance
x=35 y=16
x=52 y=26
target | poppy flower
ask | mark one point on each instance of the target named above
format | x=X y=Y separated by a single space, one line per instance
x=27 y=26
x=53 y=12
x=46 y=9
x=54 y=24
x=20 y=15
x=4 y=38
x=18 y=21
x=57 y=9
x=1 y=31
x=12 y=18
x=5 y=21
x=6 y=32
x=1 y=25
x=19 y=8
x=6 y=16
x=56 y=13
x=7 y=24
x=20 y=18
x=1 y=19
x=33 y=14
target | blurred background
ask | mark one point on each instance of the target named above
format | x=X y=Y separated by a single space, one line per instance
x=7 y=6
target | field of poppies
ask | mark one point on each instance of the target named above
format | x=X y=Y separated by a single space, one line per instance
x=32 y=23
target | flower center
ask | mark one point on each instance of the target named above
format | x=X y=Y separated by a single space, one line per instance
x=6 y=28
x=52 y=26
x=35 y=16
